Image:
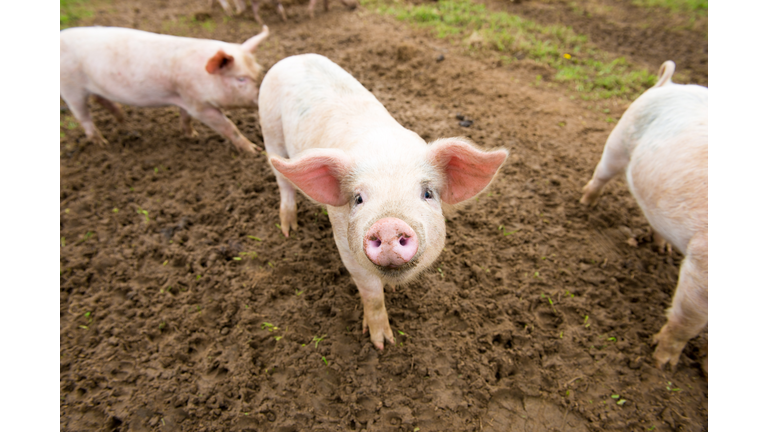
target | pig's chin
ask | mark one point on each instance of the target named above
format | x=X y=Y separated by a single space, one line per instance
x=399 y=275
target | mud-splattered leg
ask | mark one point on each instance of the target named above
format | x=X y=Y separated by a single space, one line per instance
x=613 y=162
x=186 y=124
x=688 y=315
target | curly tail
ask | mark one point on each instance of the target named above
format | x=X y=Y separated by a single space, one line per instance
x=665 y=73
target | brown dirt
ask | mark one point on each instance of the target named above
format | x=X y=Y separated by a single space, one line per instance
x=175 y=337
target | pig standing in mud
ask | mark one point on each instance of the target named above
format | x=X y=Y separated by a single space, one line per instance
x=240 y=7
x=383 y=185
x=145 y=69
x=661 y=144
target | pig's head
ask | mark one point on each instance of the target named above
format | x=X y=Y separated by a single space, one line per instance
x=237 y=72
x=393 y=201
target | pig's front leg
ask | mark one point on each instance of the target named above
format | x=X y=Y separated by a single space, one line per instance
x=217 y=121
x=186 y=124
x=375 y=318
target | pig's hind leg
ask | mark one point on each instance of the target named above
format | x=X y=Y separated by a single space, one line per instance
x=111 y=107
x=185 y=121
x=612 y=163
x=78 y=104
x=689 y=312
x=217 y=121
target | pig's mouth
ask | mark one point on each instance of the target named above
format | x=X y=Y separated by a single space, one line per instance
x=401 y=272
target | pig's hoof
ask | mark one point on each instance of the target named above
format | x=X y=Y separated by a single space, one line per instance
x=288 y=220
x=590 y=197
x=99 y=139
x=668 y=350
x=380 y=331
x=248 y=148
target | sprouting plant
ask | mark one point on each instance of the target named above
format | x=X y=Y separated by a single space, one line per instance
x=586 y=318
x=268 y=326
x=254 y=238
x=115 y=210
x=298 y=293
x=87 y=235
x=505 y=232
x=145 y=213
x=317 y=340
x=442 y=275
x=325 y=361
x=63 y=242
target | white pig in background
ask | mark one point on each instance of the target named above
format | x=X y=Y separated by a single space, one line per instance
x=240 y=7
x=661 y=144
x=145 y=69
x=383 y=185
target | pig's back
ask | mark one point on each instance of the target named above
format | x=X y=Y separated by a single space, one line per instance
x=668 y=167
x=126 y=65
x=319 y=103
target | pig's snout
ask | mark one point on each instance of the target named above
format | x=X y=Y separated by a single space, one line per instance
x=390 y=243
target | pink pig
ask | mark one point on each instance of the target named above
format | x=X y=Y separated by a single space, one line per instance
x=145 y=69
x=661 y=145
x=383 y=185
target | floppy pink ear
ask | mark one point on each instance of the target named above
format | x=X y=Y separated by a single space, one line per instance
x=319 y=174
x=467 y=170
x=219 y=62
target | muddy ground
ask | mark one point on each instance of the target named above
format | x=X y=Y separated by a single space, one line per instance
x=163 y=312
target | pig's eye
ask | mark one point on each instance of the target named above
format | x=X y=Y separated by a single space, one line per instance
x=427 y=194
x=241 y=79
x=358 y=199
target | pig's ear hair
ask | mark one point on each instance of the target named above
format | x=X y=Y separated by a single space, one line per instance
x=318 y=173
x=251 y=44
x=219 y=62
x=466 y=169
x=665 y=73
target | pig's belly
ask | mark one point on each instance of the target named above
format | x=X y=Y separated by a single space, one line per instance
x=134 y=94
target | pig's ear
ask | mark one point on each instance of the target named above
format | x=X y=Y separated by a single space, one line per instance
x=318 y=173
x=466 y=169
x=219 y=62
x=251 y=44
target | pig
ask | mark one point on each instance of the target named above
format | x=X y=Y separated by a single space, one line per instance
x=146 y=69
x=350 y=4
x=240 y=7
x=661 y=145
x=383 y=185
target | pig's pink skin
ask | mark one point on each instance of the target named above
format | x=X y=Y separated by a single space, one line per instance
x=329 y=137
x=144 y=69
x=390 y=243
x=661 y=143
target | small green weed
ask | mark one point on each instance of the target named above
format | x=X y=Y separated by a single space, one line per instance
x=145 y=213
x=317 y=340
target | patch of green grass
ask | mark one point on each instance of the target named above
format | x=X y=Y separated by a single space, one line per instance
x=576 y=63
x=71 y=11
x=697 y=6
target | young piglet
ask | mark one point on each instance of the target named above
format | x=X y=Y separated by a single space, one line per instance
x=240 y=8
x=145 y=69
x=661 y=144
x=383 y=185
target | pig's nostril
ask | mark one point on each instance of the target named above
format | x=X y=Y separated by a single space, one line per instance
x=403 y=241
x=375 y=242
